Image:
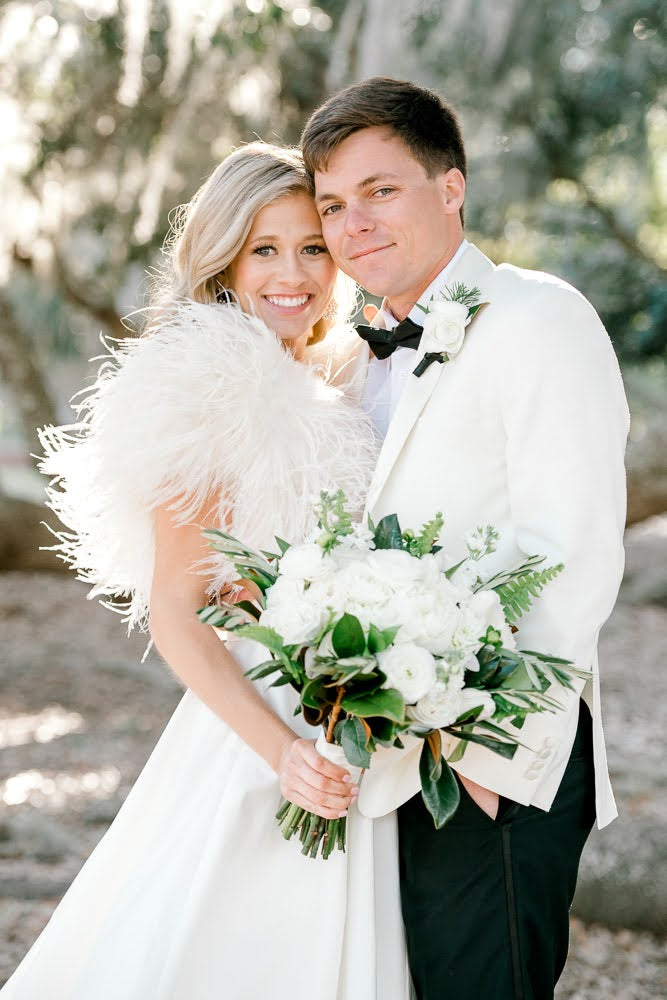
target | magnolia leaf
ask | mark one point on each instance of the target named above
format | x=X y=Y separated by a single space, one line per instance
x=388 y=533
x=387 y=703
x=440 y=790
x=348 y=637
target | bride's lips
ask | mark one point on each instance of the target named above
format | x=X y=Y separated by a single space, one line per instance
x=289 y=305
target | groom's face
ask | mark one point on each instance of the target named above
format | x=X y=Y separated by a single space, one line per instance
x=388 y=224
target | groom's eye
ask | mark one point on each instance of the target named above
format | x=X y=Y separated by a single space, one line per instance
x=384 y=190
x=330 y=209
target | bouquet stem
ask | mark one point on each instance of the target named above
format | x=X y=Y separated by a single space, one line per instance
x=315 y=833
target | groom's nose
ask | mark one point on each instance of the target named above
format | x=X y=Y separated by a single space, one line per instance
x=357 y=220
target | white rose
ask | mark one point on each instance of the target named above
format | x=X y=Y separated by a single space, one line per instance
x=409 y=668
x=472 y=697
x=445 y=327
x=440 y=707
x=305 y=562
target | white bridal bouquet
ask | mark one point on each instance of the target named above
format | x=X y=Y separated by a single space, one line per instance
x=381 y=635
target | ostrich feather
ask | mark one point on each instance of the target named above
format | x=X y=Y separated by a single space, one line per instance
x=207 y=410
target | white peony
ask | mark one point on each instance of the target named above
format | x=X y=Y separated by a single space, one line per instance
x=292 y=612
x=305 y=562
x=444 y=327
x=430 y=616
x=396 y=566
x=409 y=669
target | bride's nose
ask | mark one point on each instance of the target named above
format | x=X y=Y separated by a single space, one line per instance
x=292 y=269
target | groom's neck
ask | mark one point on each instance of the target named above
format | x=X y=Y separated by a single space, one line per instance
x=401 y=303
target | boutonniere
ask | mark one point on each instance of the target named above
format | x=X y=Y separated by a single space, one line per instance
x=447 y=317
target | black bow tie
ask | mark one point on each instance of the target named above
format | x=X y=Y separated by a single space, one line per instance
x=384 y=342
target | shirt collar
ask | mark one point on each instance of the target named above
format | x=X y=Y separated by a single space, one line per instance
x=416 y=314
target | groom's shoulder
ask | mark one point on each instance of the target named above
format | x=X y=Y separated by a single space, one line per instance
x=528 y=289
x=541 y=305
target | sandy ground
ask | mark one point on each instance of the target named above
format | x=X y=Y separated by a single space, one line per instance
x=80 y=715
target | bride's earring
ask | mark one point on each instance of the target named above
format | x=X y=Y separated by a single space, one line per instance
x=222 y=295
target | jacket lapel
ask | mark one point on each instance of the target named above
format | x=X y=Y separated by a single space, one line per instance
x=473 y=269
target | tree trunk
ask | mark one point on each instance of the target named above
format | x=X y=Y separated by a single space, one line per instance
x=20 y=369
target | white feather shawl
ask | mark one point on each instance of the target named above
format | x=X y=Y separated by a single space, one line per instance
x=207 y=409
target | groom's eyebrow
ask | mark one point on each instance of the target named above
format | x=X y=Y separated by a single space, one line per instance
x=361 y=186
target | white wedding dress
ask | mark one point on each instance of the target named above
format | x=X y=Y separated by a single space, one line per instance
x=193 y=894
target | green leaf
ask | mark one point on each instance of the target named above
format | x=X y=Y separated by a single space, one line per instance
x=387 y=703
x=264 y=669
x=458 y=752
x=282 y=544
x=266 y=636
x=376 y=641
x=500 y=747
x=353 y=740
x=440 y=790
x=388 y=533
x=312 y=693
x=384 y=730
x=348 y=637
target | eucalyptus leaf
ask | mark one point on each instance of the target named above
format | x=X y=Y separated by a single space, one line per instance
x=354 y=740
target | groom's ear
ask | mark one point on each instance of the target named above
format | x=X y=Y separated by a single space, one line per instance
x=453 y=186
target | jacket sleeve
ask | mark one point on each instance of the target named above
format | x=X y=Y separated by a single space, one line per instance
x=565 y=418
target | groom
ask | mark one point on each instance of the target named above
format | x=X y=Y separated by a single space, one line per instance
x=524 y=428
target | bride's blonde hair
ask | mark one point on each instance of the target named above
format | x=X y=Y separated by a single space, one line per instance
x=209 y=232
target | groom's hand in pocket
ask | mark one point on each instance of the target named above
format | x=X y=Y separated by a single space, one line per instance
x=482 y=797
x=314 y=783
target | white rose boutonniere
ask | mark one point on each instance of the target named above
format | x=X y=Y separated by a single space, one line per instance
x=447 y=318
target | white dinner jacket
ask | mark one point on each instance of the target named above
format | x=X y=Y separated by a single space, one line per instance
x=524 y=429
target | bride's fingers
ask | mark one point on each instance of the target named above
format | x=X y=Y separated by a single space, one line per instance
x=320 y=764
x=326 y=806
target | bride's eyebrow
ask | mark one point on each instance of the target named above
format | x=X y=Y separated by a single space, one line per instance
x=275 y=239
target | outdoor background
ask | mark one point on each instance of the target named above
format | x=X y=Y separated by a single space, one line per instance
x=111 y=114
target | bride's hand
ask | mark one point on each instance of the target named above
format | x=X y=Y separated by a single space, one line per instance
x=314 y=783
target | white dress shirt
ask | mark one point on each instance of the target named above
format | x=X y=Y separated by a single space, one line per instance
x=387 y=377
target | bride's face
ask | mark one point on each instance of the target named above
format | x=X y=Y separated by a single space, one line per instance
x=284 y=272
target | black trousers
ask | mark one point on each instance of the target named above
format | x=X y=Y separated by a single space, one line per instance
x=486 y=902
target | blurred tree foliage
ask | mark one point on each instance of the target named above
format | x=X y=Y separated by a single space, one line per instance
x=113 y=111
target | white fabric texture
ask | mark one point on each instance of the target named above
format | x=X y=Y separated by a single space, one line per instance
x=193 y=894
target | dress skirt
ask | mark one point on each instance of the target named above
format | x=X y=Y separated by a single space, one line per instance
x=193 y=894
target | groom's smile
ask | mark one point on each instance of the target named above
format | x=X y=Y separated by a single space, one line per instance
x=387 y=223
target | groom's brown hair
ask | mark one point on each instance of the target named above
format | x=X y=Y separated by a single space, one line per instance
x=419 y=117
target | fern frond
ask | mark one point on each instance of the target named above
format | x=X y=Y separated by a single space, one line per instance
x=517 y=594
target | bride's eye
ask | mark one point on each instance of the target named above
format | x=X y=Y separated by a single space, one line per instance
x=264 y=250
x=314 y=250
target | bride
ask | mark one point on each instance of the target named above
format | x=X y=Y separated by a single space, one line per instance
x=218 y=416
